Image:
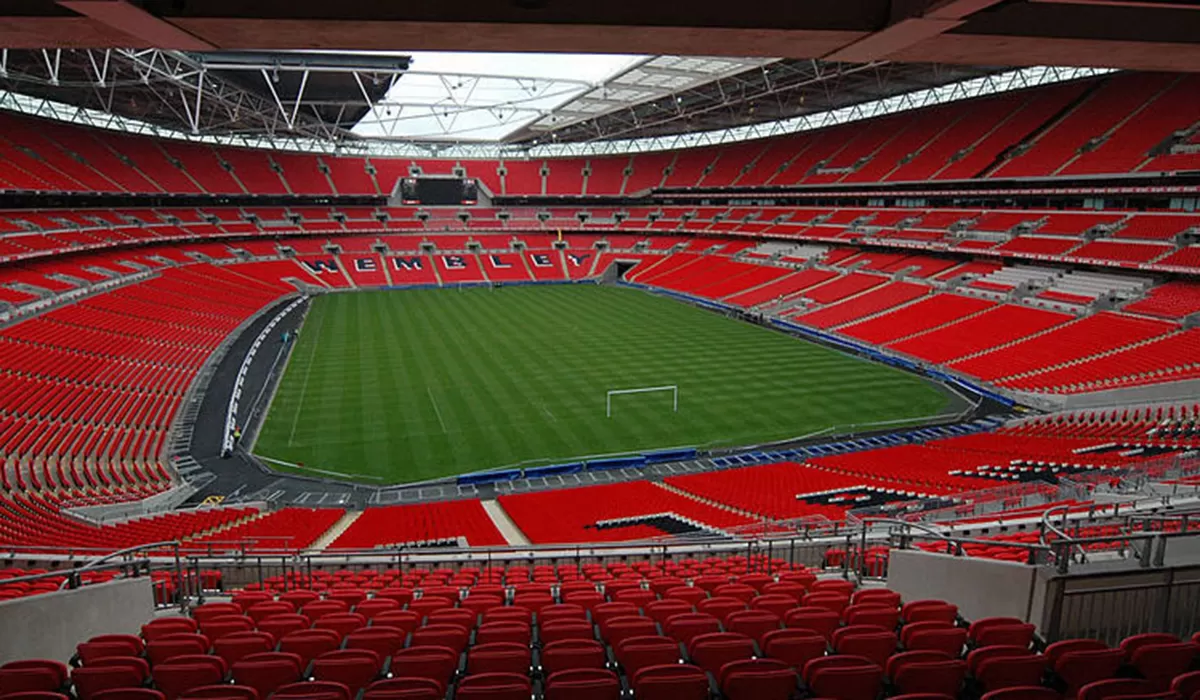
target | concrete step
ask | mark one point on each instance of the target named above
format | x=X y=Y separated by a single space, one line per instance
x=334 y=532
x=504 y=523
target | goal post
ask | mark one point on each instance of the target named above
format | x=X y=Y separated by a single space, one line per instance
x=673 y=388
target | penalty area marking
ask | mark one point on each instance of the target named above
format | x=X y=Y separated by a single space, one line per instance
x=437 y=411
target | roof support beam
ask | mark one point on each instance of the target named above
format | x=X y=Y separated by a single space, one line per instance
x=910 y=25
x=130 y=19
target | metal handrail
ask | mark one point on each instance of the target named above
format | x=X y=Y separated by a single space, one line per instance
x=73 y=576
x=1047 y=524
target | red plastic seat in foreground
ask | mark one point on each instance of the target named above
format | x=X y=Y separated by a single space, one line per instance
x=267 y=671
x=635 y=653
x=236 y=647
x=405 y=689
x=182 y=673
x=1079 y=668
x=117 y=694
x=221 y=692
x=32 y=675
x=843 y=678
x=90 y=680
x=686 y=627
x=499 y=657
x=583 y=684
x=172 y=645
x=494 y=686
x=1023 y=693
x=1117 y=687
x=818 y=620
x=935 y=677
x=673 y=682
x=1160 y=663
x=313 y=690
x=1010 y=671
x=437 y=663
x=757 y=679
x=568 y=654
x=353 y=668
x=712 y=651
x=794 y=647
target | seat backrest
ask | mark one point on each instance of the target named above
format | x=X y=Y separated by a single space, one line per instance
x=1023 y=693
x=847 y=682
x=634 y=653
x=943 y=677
x=1007 y=635
x=433 y=662
x=1078 y=668
x=567 y=654
x=494 y=686
x=223 y=691
x=818 y=620
x=1010 y=671
x=261 y=611
x=403 y=620
x=405 y=689
x=466 y=619
x=1162 y=662
x=672 y=682
x=354 y=668
x=267 y=671
x=167 y=625
x=117 y=694
x=794 y=647
x=1101 y=690
x=583 y=684
x=871 y=614
x=183 y=673
x=561 y=611
x=662 y=610
x=876 y=646
x=720 y=606
x=978 y=656
x=1186 y=685
x=450 y=636
x=757 y=679
x=313 y=690
x=90 y=680
x=899 y=661
x=616 y=629
x=687 y=626
x=236 y=646
x=310 y=643
x=949 y=640
x=499 y=657
x=172 y=645
x=752 y=623
x=381 y=639
x=929 y=611
x=836 y=661
x=504 y=631
x=1131 y=644
x=712 y=651
x=32 y=675
x=1056 y=650
x=565 y=629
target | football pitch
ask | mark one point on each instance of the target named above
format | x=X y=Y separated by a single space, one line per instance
x=409 y=385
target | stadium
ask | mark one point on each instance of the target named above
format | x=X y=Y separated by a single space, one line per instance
x=510 y=351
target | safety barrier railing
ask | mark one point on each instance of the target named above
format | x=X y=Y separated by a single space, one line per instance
x=177 y=588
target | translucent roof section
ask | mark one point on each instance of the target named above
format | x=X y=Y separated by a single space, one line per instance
x=484 y=96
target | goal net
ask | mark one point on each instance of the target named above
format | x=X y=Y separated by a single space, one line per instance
x=674 y=389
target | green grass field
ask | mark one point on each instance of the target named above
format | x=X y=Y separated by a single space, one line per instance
x=402 y=386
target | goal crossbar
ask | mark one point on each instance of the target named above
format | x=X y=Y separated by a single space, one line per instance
x=641 y=390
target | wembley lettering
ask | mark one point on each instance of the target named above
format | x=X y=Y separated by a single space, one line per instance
x=320 y=266
x=540 y=260
x=410 y=263
x=365 y=265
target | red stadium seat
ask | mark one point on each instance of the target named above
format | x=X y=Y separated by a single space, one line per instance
x=712 y=651
x=567 y=654
x=933 y=677
x=494 y=686
x=636 y=653
x=182 y=673
x=583 y=684
x=267 y=671
x=313 y=690
x=353 y=668
x=32 y=675
x=224 y=691
x=755 y=679
x=673 y=682
x=235 y=647
x=499 y=657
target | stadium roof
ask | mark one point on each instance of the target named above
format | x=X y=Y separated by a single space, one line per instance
x=447 y=98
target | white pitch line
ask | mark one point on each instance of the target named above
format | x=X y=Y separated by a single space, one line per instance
x=436 y=410
x=304 y=387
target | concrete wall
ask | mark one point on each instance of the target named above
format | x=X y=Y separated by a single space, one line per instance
x=49 y=626
x=980 y=587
